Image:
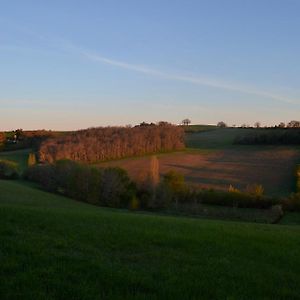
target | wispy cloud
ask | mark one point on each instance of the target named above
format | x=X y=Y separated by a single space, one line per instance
x=66 y=45
x=190 y=79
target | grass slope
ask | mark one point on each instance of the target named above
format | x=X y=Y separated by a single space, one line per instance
x=54 y=248
x=18 y=156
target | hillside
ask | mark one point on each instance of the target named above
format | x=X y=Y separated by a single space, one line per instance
x=56 y=248
x=211 y=160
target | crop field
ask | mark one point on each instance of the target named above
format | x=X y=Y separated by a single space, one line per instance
x=212 y=161
x=56 y=248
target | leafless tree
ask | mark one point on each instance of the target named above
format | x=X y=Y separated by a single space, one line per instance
x=104 y=143
x=257 y=124
x=293 y=124
x=222 y=124
x=186 y=122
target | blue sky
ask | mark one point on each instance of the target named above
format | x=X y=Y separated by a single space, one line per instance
x=76 y=64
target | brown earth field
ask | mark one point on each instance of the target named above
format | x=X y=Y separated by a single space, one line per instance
x=272 y=167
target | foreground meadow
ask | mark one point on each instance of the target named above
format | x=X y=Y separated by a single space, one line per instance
x=56 y=248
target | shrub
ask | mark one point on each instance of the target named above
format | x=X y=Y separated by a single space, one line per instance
x=31 y=159
x=292 y=203
x=276 y=136
x=117 y=190
x=108 y=187
x=171 y=189
x=235 y=199
x=43 y=175
x=8 y=169
x=232 y=189
x=298 y=179
x=256 y=190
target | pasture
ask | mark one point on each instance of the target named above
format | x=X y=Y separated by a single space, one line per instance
x=56 y=248
x=212 y=161
x=18 y=156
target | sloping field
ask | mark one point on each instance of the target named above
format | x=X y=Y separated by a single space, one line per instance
x=55 y=248
x=18 y=156
x=273 y=167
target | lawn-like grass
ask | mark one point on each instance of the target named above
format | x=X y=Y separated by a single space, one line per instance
x=291 y=218
x=55 y=248
x=18 y=156
x=215 y=139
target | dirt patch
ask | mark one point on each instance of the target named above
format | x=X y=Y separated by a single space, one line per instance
x=271 y=167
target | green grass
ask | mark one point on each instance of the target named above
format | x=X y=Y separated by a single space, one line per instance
x=18 y=156
x=291 y=218
x=215 y=139
x=55 y=248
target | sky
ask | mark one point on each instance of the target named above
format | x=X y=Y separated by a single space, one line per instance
x=75 y=64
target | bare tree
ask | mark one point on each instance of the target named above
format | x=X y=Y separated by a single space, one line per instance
x=222 y=124
x=99 y=144
x=153 y=179
x=293 y=124
x=31 y=159
x=281 y=125
x=2 y=138
x=186 y=122
x=257 y=124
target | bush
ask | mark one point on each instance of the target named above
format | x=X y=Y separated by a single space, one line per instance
x=8 y=169
x=43 y=175
x=298 y=179
x=117 y=190
x=292 y=203
x=235 y=199
x=171 y=189
x=31 y=159
x=275 y=136
x=108 y=187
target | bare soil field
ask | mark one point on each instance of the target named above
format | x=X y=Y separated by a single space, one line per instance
x=273 y=167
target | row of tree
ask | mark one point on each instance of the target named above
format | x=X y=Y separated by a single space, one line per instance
x=270 y=137
x=19 y=139
x=291 y=124
x=105 y=143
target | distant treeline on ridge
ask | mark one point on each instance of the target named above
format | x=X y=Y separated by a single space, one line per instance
x=104 y=143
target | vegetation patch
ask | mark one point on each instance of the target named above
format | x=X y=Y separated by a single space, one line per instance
x=278 y=136
x=8 y=169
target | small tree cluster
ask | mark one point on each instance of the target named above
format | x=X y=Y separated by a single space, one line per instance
x=222 y=124
x=107 y=187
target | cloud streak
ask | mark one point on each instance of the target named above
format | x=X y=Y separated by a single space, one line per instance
x=65 y=45
x=189 y=79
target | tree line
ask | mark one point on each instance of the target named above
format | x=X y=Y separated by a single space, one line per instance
x=270 y=137
x=21 y=139
x=105 y=143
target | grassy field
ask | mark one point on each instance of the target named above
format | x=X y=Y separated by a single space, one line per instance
x=18 y=156
x=291 y=218
x=212 y=161
x=55 y=248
